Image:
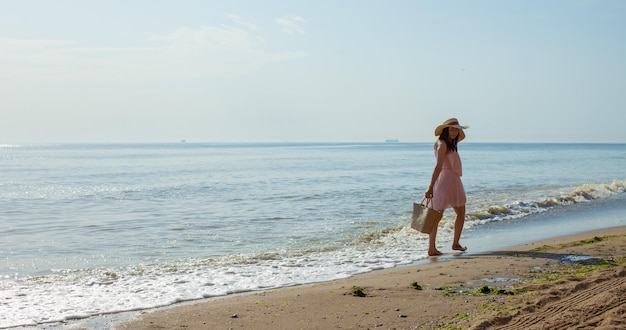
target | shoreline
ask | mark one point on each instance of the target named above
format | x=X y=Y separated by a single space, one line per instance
x=440 y=291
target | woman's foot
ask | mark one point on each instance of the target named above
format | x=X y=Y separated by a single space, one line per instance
x=434 y=253
x=458 y=247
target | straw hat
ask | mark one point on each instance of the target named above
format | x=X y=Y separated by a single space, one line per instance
x=452 y=122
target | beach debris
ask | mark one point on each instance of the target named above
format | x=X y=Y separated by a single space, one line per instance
x=485 y=290
x=416 y=286
x=234 y=316
x=403 y=315
x=482 y=290
x=358 y=291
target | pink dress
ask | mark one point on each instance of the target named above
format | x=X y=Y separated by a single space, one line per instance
x=448 y=190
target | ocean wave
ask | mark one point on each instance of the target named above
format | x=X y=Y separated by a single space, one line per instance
x=403 y=234
x=579 y=194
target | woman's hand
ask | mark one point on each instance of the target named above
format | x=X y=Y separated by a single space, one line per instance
x=429 y=192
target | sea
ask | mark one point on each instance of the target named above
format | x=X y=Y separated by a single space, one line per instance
x=103 y=229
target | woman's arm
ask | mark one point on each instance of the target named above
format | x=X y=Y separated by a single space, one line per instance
x=441 y=151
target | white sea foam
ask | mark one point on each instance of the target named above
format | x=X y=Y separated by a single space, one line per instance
x=82 y=293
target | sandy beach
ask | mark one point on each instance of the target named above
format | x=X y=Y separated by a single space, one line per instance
x=571 y=282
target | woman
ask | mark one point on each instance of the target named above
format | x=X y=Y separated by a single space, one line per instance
x=446 y=188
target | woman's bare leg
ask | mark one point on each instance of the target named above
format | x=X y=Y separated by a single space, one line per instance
x=432 y=240
x=459 y=221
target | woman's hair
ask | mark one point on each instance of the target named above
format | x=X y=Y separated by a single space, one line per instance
x=445 y=137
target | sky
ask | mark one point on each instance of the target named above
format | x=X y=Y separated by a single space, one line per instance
x=143 y=71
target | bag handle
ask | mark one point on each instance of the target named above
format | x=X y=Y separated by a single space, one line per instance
x=428 y=201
